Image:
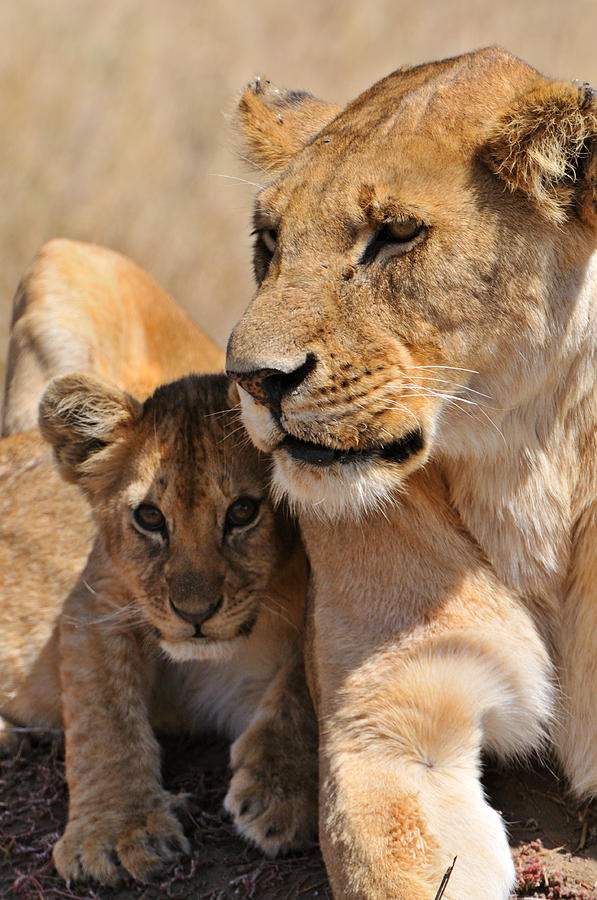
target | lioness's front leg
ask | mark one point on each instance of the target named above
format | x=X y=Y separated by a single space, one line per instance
x=118 y=809
x=273 y=792
x=400 y=789
x=400 y=745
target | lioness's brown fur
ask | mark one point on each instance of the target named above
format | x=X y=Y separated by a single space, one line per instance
x=427 y=298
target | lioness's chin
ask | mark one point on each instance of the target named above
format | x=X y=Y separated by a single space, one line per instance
x=334 y=482
x=201 y=649
x=342 y=488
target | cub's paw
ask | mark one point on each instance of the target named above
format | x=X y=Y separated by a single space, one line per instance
x=272 y=796
x=102 y=845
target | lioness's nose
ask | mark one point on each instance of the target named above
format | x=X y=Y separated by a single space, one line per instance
x=269 y=384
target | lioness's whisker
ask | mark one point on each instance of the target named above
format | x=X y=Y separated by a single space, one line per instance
x=395 y=404
x=431 y=393
x=457 y=387
x=423 y=391
x=454 y=400
x=235 y=178
x=451 y=368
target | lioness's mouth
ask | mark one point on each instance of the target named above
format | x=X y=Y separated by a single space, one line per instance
x=319 y=455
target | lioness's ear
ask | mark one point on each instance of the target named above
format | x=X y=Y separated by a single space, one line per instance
x=545 y=144
x=83 y=418
x=275 y=124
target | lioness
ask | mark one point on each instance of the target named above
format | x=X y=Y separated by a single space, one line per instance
x=86 y=308
x=188 y=614
x=428 y=298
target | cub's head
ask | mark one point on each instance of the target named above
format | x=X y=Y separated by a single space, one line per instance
x=421 y=258
x=180 y=498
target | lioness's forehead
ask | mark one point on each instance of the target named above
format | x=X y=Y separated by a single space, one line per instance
x=408 y=129
x=460 y=93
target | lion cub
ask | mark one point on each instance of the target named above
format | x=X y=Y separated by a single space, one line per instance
x=188 y=614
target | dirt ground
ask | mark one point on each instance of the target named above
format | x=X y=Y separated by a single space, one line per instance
x=554 y=841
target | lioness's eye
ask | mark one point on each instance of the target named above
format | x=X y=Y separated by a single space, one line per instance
x=149 y=518
x=265 y=246
x=242 y=512
x=392 y=233
x=402 y=232
x=269 y=238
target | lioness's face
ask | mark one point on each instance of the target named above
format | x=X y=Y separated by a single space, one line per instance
x=406 y=299
x=180 y=498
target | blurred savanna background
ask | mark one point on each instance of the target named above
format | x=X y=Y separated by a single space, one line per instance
x=116 y=115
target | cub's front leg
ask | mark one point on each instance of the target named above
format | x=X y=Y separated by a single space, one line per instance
x=119 y=812
x=273 y=792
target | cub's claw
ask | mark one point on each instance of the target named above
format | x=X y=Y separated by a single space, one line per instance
x=79 y=857
x=272 y=796
x=103 y=846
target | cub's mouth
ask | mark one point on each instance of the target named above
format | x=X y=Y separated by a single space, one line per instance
x=217 y=647
x=214 y=638
x=319 y=455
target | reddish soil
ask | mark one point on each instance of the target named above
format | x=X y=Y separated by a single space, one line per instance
x=554 y=842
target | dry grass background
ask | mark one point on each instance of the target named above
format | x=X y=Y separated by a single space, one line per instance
x=115 y=114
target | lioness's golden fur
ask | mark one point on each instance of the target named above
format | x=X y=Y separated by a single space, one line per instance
x=423 y=343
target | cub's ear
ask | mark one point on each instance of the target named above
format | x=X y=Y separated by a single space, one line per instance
x=85 y=419
x=275 y=124
x=545 y=144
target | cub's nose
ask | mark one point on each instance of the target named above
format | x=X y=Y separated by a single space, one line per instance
x=192 y=592
x=269 y=384
x=197 y=618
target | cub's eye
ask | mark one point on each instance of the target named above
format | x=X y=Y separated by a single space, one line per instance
x=392 y=234
x=149 y=518
x=242 y=512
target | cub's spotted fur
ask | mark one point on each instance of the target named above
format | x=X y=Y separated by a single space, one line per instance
x=187 y=615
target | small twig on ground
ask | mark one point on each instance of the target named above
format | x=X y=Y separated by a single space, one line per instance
x=584 y=818
x=445 y=880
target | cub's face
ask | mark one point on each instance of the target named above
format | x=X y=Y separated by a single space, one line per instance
x=408 y=301
x=180 y=498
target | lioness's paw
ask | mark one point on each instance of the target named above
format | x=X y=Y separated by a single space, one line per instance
x=272 y=796
x=104 y=846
